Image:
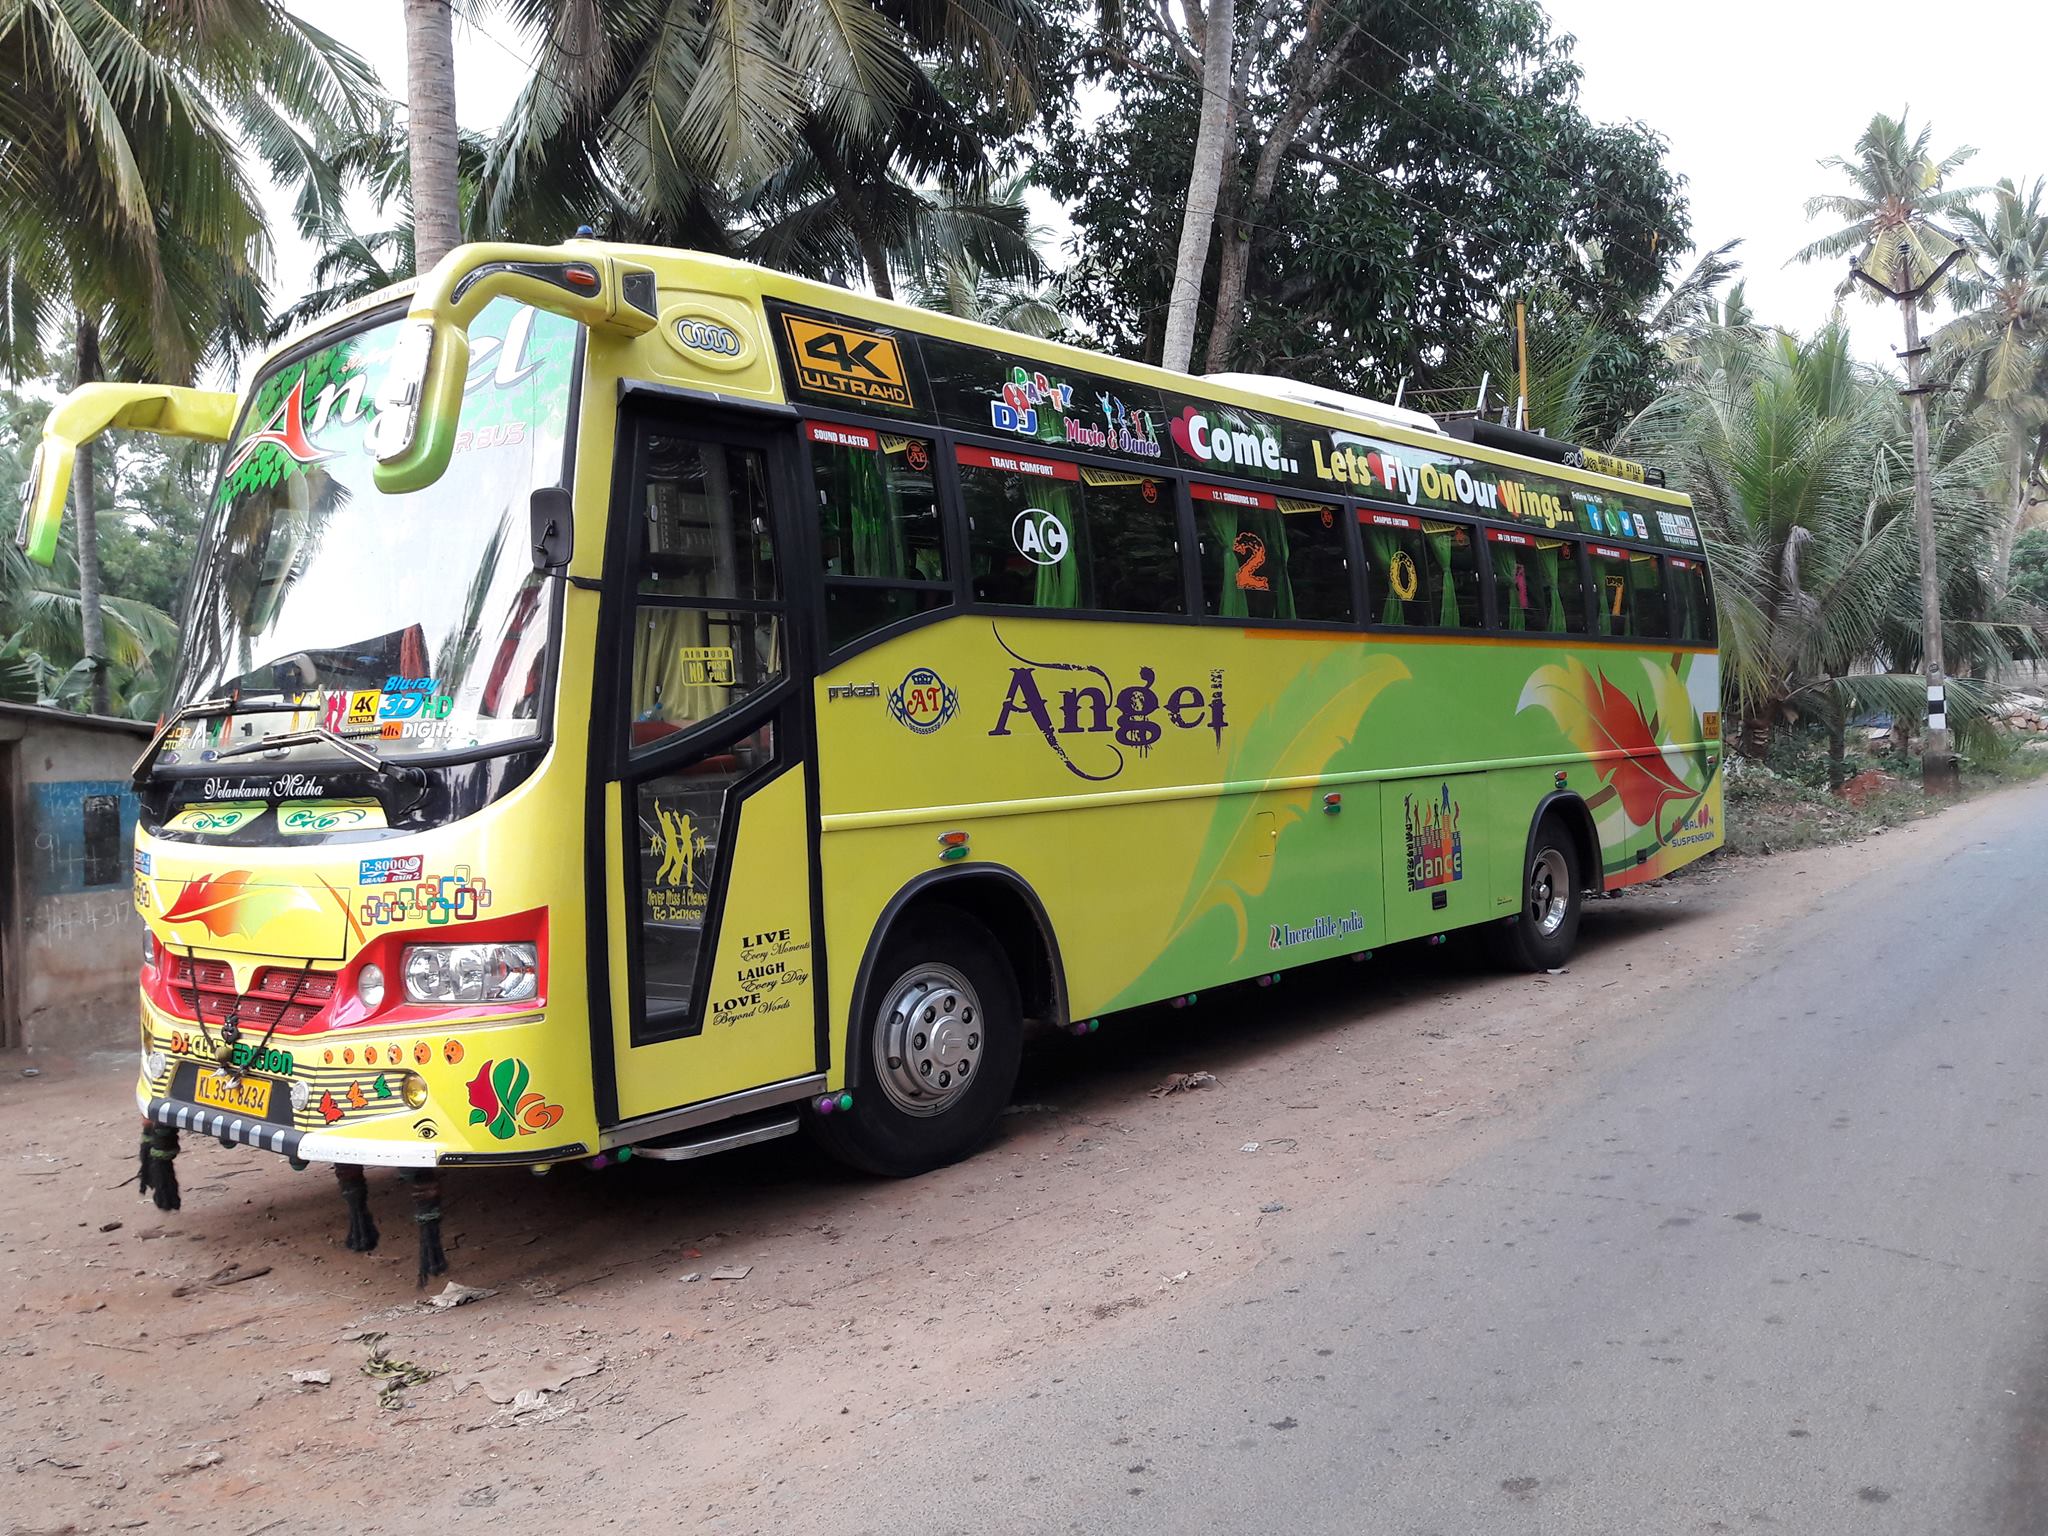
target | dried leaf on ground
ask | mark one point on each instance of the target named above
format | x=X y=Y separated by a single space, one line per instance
x=459 y=1295
x=508 y=1383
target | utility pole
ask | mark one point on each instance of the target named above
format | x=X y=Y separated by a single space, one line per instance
x=1937 y=752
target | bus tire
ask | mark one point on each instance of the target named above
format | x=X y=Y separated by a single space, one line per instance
x=1540 y=936
x=938 y=1053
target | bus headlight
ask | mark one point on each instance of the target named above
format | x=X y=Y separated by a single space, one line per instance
x=471 y=973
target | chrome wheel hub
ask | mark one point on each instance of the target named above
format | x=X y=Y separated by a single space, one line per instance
x=928 y=1041
x=1549 y=891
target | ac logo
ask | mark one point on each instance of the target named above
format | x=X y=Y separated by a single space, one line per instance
x=846 y=362
x=1040 y=536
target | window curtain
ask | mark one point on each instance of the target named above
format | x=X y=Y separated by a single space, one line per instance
x=1553 y=560
x=1222 y=530
x=1059 y=586
x=875 y=539
x=1440 y=546
x=660 y=691
x=1270 y=528
x=1513 y=595
x=1383 y=547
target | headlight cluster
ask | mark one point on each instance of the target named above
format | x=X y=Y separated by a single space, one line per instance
x=471 y=973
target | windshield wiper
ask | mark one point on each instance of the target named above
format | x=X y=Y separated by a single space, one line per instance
x=319 y=735
x=204 y=709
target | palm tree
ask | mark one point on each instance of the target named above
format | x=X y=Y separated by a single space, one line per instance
x=430 y=120
x=1900 y=250
x=667 y=123
x=2000 y=339
x=131 y=230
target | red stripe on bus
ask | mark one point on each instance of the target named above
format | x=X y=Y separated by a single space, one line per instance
x=1508 y=538
x=843 y=437
x=1612 y=554
x=1388 y=519
x=1016 y=463
x=1220 y=493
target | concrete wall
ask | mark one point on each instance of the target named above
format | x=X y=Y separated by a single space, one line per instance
x=70 y=942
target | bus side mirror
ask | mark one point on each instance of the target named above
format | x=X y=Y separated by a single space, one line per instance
x=554 y=528
x=163 y=409
x=419 y=398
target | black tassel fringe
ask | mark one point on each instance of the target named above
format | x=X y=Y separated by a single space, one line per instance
x=426 y=1211
x=158 y=1173
x=362 y=1231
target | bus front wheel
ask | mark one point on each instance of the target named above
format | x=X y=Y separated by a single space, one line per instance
x=1540 y=936
x=938 y=1052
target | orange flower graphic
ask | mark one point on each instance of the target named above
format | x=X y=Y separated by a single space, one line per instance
x=1604 y=722
x=229 y=904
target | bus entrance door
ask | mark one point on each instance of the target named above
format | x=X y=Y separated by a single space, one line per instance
x=710 y=873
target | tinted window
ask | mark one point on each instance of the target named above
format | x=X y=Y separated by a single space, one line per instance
x=1419 y=571
x=1043 y=533
x=878 y=511
x=1692 y=602
x=1628 y=592
x=704 y=520
x=878 y=520
x=1271 y=557
x=1536 y=583
x=706 y=632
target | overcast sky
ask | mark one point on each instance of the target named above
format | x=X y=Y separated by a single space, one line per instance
x=1750 y=94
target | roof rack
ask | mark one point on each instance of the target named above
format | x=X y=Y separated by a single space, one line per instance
x=1330 y=400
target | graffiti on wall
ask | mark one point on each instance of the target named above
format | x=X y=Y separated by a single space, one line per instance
x=80 y=834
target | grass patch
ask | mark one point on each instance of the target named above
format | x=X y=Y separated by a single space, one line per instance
x=1782 y=805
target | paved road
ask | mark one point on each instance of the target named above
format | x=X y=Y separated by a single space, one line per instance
x=1786 y=1268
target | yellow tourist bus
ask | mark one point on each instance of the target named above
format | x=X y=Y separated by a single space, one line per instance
x=635 y=703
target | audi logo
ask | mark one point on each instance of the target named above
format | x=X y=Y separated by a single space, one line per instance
x=705 y=336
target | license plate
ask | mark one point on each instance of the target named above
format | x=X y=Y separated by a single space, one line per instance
x=247 y=1096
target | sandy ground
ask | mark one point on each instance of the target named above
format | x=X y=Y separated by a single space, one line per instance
x=148 y=1382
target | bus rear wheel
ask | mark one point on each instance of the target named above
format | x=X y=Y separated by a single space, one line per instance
x=1540 y=936
x=938 y=1051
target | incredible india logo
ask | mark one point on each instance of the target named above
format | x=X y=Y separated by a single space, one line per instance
x=1086 y=716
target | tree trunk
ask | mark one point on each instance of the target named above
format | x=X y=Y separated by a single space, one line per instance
x=1754 y=734
x=430 y=123
x=1205 y=177
x=1838 y=741
x=1937 y=754
x=2001 y=555
x=84 y=485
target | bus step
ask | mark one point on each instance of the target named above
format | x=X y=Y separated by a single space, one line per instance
x=710 y=1139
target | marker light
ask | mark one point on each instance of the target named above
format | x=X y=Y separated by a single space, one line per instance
x=370 y=986
x=471 y=973
x=414 y=1087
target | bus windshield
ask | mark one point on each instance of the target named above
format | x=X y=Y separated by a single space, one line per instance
x=415 y=624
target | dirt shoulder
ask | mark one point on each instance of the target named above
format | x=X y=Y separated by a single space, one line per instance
x=150 y=1380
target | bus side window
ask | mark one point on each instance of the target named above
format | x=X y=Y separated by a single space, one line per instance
x=1271 y=557
x=878 y=528
x=1628 y=593
x=1536 y=585
x=1046 y=533
x=707 y=631
x=1692 y=602
x=1419 y=571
